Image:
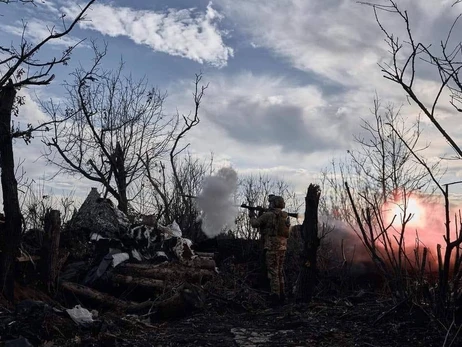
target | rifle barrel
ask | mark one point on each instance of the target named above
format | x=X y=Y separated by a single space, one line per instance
x=259 y=208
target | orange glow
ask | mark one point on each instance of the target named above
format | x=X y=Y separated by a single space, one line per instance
x=412 y=210
x=425 y=228
x=427 y=221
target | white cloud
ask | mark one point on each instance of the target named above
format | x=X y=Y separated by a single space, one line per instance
x=186 y=33
x=329 y=38
x=337 y=39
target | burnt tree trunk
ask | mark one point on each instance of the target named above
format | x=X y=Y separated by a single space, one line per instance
x=11 y=236
x=308 y=276
x=121 y=178
x=50 y=250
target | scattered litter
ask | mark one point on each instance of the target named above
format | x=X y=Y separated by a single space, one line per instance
x=171 y=230
x=80 y=315
x=119 y=258
x=97 y=237
x=183 y=249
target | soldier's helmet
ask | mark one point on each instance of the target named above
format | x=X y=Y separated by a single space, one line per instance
x=270 y=200
x=278 y=202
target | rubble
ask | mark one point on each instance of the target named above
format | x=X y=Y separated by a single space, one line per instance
x=147 y=259
x=101 y=256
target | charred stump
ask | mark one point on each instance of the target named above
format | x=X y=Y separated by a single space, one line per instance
x=11 y=235
x=308 y=276
x=50 y=258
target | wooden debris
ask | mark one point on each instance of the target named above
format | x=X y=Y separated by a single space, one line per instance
x=50 y=250
x=139 y=281
x=209 y=255
x=165 y=272
x=201 y=263
x=93 y=294
x=105 y=299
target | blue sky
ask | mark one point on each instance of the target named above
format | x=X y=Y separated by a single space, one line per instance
x=289 y=80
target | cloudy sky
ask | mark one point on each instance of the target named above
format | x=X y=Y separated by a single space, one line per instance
x=289 y=80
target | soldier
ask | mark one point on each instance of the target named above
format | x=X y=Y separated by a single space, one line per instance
x=274 y=228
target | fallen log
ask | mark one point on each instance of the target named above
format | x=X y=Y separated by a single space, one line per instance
x=209 y=255
x=201 y=263
x=139 y=281
x=105 y=299
x=187 y=298
x=168 y=272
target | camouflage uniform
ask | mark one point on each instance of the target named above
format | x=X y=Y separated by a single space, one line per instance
x=275 y=246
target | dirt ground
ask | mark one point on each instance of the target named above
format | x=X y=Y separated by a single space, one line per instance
x=228 y=323
x=317 y=324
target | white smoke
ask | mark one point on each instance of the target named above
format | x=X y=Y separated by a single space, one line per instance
x=216 y=203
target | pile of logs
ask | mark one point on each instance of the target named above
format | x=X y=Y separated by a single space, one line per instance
x=156 y=279
x=180 y=278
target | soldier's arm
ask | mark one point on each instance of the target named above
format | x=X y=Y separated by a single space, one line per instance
x=258 y=222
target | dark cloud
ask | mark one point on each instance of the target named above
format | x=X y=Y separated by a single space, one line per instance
x=260 y=124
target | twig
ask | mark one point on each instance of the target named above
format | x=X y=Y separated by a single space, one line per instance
x=384 y=314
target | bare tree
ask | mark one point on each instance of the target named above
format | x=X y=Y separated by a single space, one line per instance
x=448 y=276
x=377 y=179
x=116 y=121
x=21 y=67
x=382 y=167
x=169 y=179
x=408 y=55
x=384 y=161
x=22 y=1
x=165 y=202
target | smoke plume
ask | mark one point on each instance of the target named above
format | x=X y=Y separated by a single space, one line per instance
x=215 y=201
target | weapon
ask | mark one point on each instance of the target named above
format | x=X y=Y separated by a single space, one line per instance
x=251 y=208
x=262 y=210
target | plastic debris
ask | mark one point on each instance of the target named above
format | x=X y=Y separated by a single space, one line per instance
x=96 y=237
x=171 y=230
x=80 y=315
x=183 y=249
x=119 y=258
